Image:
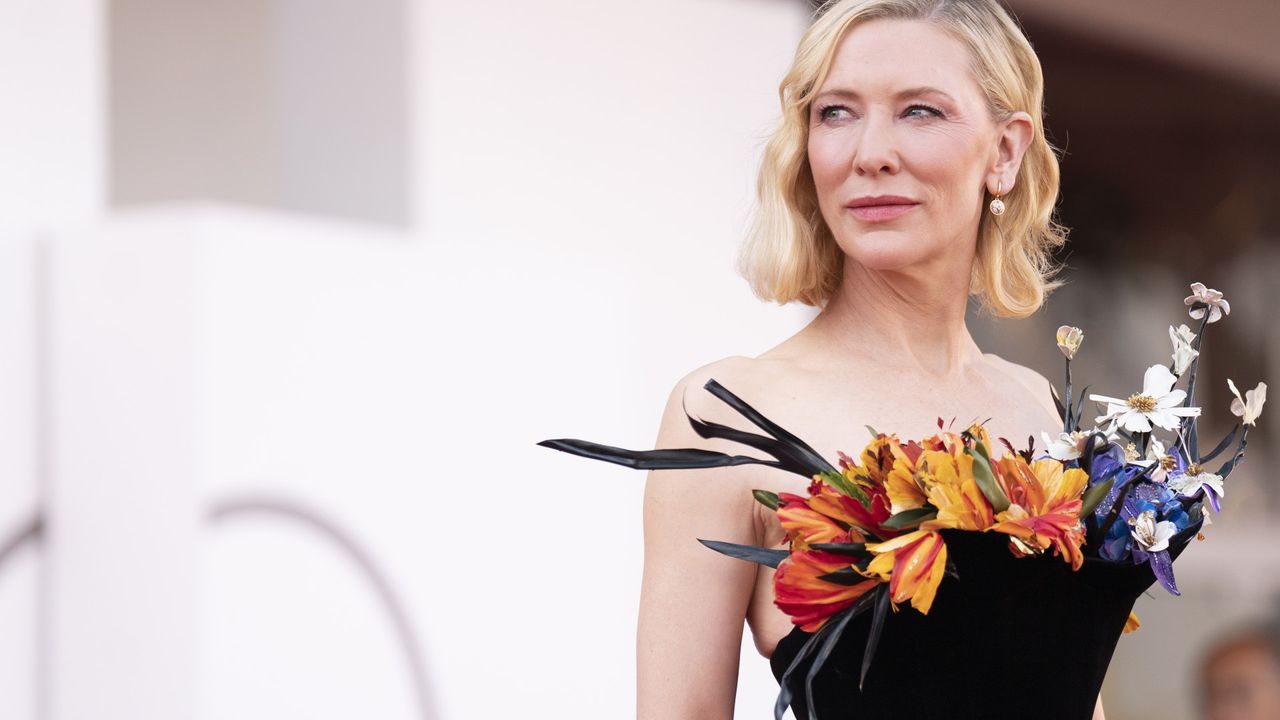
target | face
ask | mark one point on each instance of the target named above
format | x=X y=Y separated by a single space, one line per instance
x=900 y=115
x=1243 y=684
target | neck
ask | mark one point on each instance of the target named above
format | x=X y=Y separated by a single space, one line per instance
x=912 y=322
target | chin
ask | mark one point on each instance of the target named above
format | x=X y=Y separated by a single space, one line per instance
x=885 y=249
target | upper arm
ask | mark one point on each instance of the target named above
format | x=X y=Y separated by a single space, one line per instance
x=693 y=600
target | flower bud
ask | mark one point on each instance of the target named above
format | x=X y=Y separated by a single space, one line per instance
x=1069 y=339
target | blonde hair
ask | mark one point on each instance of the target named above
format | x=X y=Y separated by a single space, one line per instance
x=789 y=253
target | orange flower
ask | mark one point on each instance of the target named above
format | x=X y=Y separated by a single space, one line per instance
x=804 y=525
x=800 y=591
x=1132 y=623
x=1044 y=509
x=913 y=565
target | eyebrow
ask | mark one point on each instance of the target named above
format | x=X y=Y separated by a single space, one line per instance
x=909 y=92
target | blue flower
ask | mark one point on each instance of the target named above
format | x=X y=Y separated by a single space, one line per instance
x=1115 y=547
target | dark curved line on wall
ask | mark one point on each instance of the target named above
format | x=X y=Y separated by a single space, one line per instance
x=238 y=507
x=27 y=532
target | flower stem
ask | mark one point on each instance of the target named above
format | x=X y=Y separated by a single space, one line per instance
x=1238 y=455
x=1067 y=420
x=1193 y=450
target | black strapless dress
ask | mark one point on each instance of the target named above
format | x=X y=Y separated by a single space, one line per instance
x=1008 y=638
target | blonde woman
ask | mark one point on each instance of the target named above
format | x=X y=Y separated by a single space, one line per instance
x=910 y=172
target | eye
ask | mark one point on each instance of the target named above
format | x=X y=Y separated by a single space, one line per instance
x=929 y=109
x=826 y=112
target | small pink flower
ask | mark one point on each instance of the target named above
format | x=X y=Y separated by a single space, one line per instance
x=1217 y=305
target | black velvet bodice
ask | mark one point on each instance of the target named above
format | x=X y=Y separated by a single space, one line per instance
x=1008 y=638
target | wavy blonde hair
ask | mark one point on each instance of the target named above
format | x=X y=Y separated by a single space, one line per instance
x=789 y=252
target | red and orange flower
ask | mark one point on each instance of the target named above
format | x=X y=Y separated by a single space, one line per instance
x=1044 y=508
x=801 y=592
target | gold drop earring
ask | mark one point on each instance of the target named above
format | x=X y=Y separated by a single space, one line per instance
x=997 y=205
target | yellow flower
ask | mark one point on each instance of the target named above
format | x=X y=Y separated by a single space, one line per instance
x=955 y=493
x=913 y=565
x=903 y=483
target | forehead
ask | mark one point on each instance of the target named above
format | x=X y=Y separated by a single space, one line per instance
x=883 y=55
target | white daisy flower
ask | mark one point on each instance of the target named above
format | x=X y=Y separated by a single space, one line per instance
x=1158 y=404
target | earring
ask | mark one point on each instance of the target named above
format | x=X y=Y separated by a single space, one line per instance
x=997 y=205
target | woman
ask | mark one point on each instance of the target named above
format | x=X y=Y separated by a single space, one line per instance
x=910 y=171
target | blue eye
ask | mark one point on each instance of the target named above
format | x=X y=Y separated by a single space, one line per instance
x=927 y=108
x=824 y=113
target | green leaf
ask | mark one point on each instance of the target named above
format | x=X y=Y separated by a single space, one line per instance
x=873 y=432
x=766 y=498
x=842 y=485
x=1093 y=495
x=911 y=518
x=986 y=479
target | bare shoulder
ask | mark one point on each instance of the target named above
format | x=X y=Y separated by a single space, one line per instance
x=1030 y=378
x=1035 y=382
x=737 y=373
x=716 y=494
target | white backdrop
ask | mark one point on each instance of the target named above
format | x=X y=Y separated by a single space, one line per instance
x=580 y=175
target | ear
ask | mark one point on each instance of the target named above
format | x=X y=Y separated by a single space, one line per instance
x=1014 y=137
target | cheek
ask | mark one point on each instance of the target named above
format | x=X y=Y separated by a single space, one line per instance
x=828 y=160
x=951 y=165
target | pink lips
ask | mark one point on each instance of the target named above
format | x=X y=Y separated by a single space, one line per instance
x=881 y=208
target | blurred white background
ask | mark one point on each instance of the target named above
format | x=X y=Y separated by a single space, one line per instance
x=278 y=269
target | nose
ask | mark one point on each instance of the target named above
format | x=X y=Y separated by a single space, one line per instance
x=876 y=149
